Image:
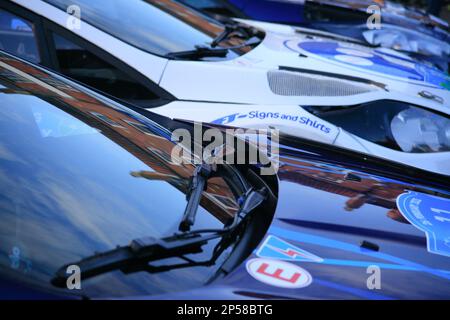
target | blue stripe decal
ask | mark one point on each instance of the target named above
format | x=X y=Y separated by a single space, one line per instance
x=326 y=242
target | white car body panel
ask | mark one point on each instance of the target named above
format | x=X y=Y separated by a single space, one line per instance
x=208 y=91
x=246 y=77
x=264 y=117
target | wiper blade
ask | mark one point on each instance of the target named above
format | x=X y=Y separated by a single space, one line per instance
x=199 y=52
x=136 y=256
x=138 y=253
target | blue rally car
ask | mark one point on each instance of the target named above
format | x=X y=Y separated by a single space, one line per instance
x=91 y=186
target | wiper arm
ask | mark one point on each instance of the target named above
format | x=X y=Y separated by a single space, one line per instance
x=199 y=52
x=202 y=51
x=229 y=29
x=198 y=183
x=136 y=256
x=243 y=30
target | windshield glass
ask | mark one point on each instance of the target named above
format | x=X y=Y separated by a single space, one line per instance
x=78 y=177
x=155 y=26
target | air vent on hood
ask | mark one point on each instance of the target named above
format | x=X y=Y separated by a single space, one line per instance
x=288 y=83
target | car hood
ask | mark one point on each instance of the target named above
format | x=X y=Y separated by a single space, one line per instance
x=295 y=68
x=372 y=223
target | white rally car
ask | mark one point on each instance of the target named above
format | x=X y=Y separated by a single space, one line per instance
x=167 y=58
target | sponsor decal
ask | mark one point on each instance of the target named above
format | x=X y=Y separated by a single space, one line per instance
x=261 y=115
x=275 y=248
x=278 y=273
x=394 y=262
x=373 y=60
x=431 y=215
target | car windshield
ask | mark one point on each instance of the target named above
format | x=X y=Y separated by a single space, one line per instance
x=78 y=176
x=156 y=26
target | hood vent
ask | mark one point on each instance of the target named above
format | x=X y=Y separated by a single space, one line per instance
x=289 y=83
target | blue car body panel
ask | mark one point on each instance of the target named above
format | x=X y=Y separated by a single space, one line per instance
x=325 y=218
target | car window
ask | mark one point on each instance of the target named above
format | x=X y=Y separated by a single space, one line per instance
x=82 y=65
x=159 y=27
x=75 y=178
x=17 y=36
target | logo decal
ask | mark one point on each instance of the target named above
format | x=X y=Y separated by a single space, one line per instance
x=374 y=60
x=278 y=273
x=275 y=248
x=293 y=119
x=431 y=215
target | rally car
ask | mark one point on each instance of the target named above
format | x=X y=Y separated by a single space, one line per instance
x=92 y=203
x=165 y=57
x=385 y=23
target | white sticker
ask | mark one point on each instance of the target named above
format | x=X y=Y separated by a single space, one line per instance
x=354 y=52
x=358 y=61
x=279 y=273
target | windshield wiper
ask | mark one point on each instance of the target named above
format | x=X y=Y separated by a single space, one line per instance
x=229 y=30
x=198 y=53
x=201 y=51
x=205 y=52
x=136 y=256
x=244 y=31
x=194 y=194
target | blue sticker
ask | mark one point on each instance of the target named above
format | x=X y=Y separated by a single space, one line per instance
x=275 y=248
x=431 y=215
x=376 y=61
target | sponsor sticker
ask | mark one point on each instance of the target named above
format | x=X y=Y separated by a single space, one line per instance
x=282 y=118
x=373 y=60
x=431 y=215
x=275 y=248
x=278 y=273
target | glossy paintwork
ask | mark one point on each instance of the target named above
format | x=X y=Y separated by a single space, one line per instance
x=329 y=202
x=321 y=210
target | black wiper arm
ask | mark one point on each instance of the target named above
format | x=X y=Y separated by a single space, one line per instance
x=199 y=52
x=229 y=29
x=196 y=187
x=243 y=30
x=137 y=255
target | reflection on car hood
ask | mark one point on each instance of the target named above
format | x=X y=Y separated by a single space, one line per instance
x=335 y=224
